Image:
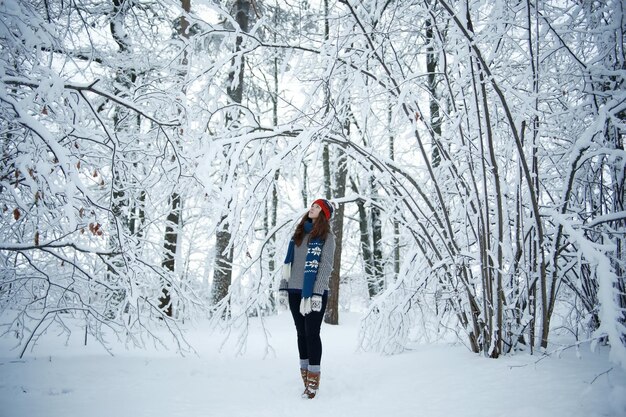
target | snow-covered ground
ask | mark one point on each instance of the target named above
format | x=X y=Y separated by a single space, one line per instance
x=430 y=381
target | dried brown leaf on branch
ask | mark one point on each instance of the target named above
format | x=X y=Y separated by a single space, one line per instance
x=94 y=228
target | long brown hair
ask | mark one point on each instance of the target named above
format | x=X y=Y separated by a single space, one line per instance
x=321 y=228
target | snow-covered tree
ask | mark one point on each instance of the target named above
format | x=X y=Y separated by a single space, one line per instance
x=91 y=123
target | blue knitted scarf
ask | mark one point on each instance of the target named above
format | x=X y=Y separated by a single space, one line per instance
x=311 y=263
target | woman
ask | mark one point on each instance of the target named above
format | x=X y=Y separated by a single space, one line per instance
x=304 y=287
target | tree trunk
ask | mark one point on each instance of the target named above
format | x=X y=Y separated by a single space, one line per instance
x=174 y=218
x=222 y=276
x=396 y=224
x=366 y=250
x=121 y=192
x=431 y=69
x=170 y=246
x=377 y=239
x=332 y=308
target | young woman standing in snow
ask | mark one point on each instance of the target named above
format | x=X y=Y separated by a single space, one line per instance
x=304 y=287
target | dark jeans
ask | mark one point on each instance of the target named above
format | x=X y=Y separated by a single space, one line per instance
x=308 y=329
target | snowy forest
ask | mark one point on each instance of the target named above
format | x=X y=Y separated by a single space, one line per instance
x=157 y=154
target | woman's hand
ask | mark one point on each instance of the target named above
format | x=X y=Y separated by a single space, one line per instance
x=305 y=306
x=283 y=300
x=316 y=302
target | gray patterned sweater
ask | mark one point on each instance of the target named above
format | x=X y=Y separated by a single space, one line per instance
x=296 y=279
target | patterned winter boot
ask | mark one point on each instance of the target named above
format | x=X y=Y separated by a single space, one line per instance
x=303 y=374
x=312 y=385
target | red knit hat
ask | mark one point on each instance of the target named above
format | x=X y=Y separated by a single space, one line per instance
x=326 y=207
